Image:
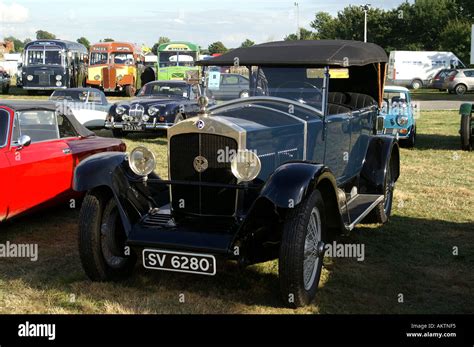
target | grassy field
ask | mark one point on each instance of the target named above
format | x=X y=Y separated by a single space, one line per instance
x=435 y=94
x=412 y=255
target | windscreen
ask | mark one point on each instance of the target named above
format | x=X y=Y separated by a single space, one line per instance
x=98 y=58
x=177 y=59
x=165 y=89
x=73 y=95
x=49 y=56
x=3 y=127
x=300 y=84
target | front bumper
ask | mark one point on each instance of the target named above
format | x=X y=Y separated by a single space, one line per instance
x=144 y=126
x=44 y=88
x=399 y=133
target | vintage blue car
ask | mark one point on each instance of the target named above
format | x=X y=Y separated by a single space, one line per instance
x=398 y=115
x=276 y=175
x=158 y=106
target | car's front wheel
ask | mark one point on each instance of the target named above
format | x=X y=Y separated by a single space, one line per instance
x=302 y=251
x=381 y=213
x=466 y=143
x=410 y=141
x=102 y=248
x=119 y=133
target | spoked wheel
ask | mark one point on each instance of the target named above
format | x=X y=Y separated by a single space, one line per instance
x=460 y=89
x=381 y=213
x=102 y=239
x=302 y=251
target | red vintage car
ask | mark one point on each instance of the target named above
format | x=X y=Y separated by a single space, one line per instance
x=39 y=149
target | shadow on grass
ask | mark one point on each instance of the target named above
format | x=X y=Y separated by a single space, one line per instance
x=408 y=256
x=437 y=142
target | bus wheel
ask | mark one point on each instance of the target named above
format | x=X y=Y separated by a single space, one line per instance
x=129 y=91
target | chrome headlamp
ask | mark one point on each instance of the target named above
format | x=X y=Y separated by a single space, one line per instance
x=59 y=77
x=153 y=110
x=120 y=110
x=142 y=161
x=402 y=119
x=245 y=165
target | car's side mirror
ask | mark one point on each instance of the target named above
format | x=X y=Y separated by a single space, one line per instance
x=24 y=141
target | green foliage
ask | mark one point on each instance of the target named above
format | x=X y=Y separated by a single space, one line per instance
x=108 y=39
x=421 y=25
x=304 y=35
x=19 y=44
x=247 y=43
x=161 y=40
x=217 y=47
x=84 y=41
x=44 y=35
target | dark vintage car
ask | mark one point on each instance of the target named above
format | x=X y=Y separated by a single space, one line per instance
x=273 y=176
x=467 y=126
x=158 y=106
x=4 y=81
x=39 y=150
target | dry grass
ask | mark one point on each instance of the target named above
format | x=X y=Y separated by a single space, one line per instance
x=412 y=255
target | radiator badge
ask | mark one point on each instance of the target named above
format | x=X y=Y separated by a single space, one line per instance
x=200 y=124
x=200 y=164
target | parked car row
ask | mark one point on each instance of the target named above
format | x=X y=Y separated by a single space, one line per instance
x=458 y=81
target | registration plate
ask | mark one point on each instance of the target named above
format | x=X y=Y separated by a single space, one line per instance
x=202 y=264
x=132 y=127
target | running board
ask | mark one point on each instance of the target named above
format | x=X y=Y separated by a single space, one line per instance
x=360 y=206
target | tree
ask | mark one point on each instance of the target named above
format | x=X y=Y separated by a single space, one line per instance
x=324 y=26
x=217 y=47
x=108 y=39
x=19 y=45
x=466 y=9
x=161 y=40
x=84 y=41
x=44 y=35
x=247 y=43
x=304 y=35
x=456 y=38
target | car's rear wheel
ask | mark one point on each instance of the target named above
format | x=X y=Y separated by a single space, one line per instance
x=460 y=89
x=416 y=84
x=102 y=239
x=381 y=213
x=302 y=251
x=466 y=142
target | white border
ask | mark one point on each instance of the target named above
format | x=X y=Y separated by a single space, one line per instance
x=180 y=253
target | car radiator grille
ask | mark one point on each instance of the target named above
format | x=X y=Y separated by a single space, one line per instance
x=198 y=199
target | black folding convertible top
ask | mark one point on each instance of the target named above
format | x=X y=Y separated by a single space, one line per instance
x=30 y=105
x=303 y=52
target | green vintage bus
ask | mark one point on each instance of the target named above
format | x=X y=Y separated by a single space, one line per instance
x=175 y=59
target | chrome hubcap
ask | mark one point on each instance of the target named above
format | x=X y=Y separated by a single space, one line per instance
x=313 y=249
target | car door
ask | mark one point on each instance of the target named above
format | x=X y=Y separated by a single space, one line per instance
x=469 y=79
x=43 y=170
x=6 y=187
x=338 y=141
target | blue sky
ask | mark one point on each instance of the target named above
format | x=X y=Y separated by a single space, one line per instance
x=143 y=21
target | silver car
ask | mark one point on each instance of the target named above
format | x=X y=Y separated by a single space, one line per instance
x=460 y=81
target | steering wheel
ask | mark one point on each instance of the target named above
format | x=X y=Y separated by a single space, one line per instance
x=299 y=85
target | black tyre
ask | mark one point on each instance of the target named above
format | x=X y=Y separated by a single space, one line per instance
x=381 y=213
x=129 y=91
x=410 y=141
x=118 y=133
x=302 y=251
x=460 y=89
x=179 y=117
x=102 y=239
x=466 y=141
x=416 y=84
